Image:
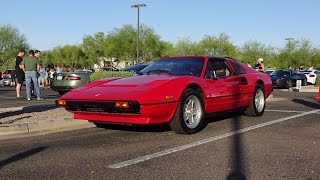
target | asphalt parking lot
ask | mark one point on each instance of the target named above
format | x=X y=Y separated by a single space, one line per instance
x=282 y=144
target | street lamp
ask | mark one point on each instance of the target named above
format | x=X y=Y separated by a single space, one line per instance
x=138 y=7
x=289 y=46
x=289 y=41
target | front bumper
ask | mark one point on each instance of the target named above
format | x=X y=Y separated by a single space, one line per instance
x=280 y=83
x=148 y=114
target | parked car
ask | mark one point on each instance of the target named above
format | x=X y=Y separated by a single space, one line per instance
x=179 y=90
x=110 y=68
x=283 y=78
x=311 y=75
x=66 y=81
x=7 y=73
x=270 y=71
x=6 y=81
x=136 y=68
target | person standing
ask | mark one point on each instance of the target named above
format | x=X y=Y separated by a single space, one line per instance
x=37 y=54
x=260 y=66
x=42 y=77
x=30 y=66
x=19 y=73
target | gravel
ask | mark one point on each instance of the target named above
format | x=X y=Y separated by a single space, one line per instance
x=33 y=114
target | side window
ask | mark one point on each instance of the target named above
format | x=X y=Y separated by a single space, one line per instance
x=238 y=69
x=221 y=68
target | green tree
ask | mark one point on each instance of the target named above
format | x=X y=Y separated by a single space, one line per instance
x=217 y=46
x=11 y=40
x=121 y=43
x=185 y=46
x=296 y=53
x=151 y=45
x=93 y=47
x=252 y=50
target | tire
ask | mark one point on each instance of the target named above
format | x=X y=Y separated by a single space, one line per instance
x=62 y=92
x=100 y=125
x=305 y=82
x=258 y=103
x=289 y=84
x=189 y=116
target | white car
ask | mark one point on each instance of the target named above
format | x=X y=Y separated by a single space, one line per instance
x=5 y=81
x=311 y=75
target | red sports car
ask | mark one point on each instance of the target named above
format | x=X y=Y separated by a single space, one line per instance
x=179 y=90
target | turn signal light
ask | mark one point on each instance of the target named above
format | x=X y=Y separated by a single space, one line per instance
x=61 y=103
x=121 y=104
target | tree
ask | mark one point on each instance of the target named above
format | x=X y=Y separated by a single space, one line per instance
x=11 y=40
x=121 y=43
x=217 y=46
x=93 y=47
x=185 y=46
x=253 y=50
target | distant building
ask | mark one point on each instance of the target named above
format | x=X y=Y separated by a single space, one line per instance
x=105 y=62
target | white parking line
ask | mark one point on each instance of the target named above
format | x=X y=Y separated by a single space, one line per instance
x=204 y=141
x=271 y=110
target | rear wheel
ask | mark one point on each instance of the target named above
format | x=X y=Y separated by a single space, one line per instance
x=289 y=83
x=189 y=116
x=305 y=82
x=258 y=103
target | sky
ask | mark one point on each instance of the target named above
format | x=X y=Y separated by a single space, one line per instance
x=50 y=23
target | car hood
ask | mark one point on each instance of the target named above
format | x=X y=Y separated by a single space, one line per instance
x=121 y=89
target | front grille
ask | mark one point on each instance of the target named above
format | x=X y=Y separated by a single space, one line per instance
x=101 y=106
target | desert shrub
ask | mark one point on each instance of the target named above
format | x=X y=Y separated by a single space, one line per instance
x=105 y=74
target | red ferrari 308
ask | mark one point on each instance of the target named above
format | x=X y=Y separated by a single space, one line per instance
x=179 y=90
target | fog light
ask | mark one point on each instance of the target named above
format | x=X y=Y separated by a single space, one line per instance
x=61 y=103
x=121 y=104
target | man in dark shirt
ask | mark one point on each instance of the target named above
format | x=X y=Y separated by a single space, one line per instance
x=19 y=73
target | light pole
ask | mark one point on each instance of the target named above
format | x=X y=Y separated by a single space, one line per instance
x=289 y=46
x=289 y=41
x=138 y=27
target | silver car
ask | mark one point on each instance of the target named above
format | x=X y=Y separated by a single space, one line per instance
x=66 y=81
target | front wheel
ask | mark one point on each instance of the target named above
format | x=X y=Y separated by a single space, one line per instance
x=62 y=92
x=189 y=116
x=258 y=103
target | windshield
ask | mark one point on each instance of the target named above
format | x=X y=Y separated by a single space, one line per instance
x=281 y=73
x=176 y=66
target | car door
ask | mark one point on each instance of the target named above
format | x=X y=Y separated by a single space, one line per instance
x=221 y=86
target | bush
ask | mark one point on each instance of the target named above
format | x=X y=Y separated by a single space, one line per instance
x=318 y=80
x=105 y=74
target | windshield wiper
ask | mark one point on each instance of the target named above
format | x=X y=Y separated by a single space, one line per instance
x=159 y=71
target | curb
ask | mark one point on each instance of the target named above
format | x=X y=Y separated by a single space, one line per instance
x=54 y=125
x=303 y=89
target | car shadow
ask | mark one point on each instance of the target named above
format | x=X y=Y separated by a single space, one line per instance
x=21 y=156
x=312 y=105
x=28 y=109
x=15 y=120
x=137 y=128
